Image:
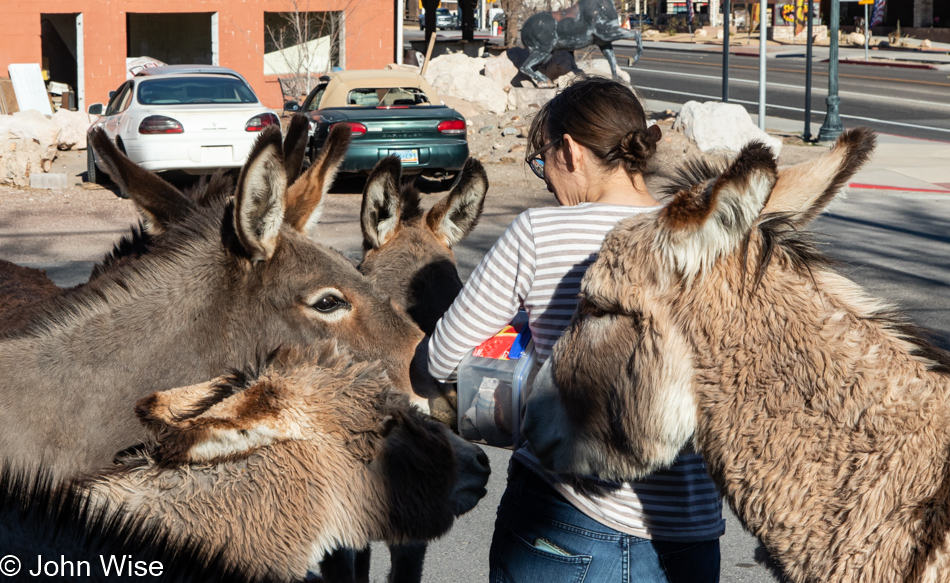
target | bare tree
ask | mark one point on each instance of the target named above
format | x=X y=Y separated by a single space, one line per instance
x=304 y=45
x=514 y=16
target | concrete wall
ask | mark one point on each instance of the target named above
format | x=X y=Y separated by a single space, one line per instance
x=368 y=41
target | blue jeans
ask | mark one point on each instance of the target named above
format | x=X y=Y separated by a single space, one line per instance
x=530 y=510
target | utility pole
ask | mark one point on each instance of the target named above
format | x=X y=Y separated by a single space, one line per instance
x=808 y=48
x=726 y=22
x=763 y=26
x=832 y=128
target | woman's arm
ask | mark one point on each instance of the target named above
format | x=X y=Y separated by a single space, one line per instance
x=489 y=300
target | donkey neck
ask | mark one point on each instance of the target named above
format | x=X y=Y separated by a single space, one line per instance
x=301 y=505
x=812 y=415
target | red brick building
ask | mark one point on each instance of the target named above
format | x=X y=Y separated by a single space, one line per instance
x=85 y=43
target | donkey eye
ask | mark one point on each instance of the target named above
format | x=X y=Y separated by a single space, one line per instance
x=329 y=303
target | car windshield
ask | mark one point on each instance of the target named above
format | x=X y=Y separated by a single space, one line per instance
x=386 y=97
x=189 y=90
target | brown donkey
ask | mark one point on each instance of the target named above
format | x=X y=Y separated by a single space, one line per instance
x=407 y=254
x=821 y=414
x=270 y=468
x=224 y=277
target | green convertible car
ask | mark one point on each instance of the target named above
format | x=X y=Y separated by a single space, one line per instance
x=389 y=112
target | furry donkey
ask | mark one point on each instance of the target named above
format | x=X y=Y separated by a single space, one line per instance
x=821 y=414
x=222 y=279
x=407 y=254
x=269 y=469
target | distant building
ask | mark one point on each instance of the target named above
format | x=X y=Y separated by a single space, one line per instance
x=85 y=43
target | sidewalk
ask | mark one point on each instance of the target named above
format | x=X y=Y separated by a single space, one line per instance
x=899 y=163
x=854 y=55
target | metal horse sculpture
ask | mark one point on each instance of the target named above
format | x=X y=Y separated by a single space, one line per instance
x=586 y=23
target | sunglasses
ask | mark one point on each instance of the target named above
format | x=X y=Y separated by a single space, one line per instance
x=536 y=162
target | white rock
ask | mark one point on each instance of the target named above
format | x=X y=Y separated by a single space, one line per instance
x=524 y=97
x=51 y=181
x=856 y=39
x=650 y=33
x=466 y=108
x=720 y=35
x=714 y=125
x=73 y=126
x=501 y=71
x=27 y=145
x=925 y=44
x=701 y=32
x=458 y=75
x=601 y=68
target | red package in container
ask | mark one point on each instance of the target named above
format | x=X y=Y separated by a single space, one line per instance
x=499 y=345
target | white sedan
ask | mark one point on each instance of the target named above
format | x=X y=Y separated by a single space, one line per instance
x=194 y=118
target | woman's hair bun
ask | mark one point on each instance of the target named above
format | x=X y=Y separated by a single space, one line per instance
x=638 y=146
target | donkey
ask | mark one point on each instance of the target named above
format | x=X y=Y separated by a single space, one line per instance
x=822 y=415
x=586 y=23
x=407 y=254
x=223 y=277
x=273 y=466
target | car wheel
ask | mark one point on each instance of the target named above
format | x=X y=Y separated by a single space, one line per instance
x=93 y=174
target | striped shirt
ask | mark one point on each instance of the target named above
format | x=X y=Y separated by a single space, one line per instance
x=538 y=263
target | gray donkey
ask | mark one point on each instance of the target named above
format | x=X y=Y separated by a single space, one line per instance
x=407 y=254
x=224 y=277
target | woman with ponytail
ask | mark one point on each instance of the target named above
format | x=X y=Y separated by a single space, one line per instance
x=591 y=145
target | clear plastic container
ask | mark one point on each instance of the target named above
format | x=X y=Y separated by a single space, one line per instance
x=490 y=388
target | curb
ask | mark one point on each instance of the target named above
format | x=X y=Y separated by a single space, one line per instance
x=898 y=188
x=898 y=65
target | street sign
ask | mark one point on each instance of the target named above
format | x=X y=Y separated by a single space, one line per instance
x=871 y=2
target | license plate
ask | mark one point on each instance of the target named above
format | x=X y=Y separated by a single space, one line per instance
x=216 y=154
x=407 y=156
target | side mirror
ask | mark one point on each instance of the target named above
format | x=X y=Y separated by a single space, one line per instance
x=95 y=109
x=111 y=94
x=291 y=106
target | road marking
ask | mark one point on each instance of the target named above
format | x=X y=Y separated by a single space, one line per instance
x=819 y=73
x=814 y=111
x=786 y=86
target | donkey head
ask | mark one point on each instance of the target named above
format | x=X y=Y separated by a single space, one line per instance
x=407 y=253
x=257 y=277
x=315 y=426
x=622 y=381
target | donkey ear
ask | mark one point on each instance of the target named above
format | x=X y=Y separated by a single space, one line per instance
x=295 y=146
x=708 y=221
x=160 y=203
x=167 y=410
x=454 y=217
x=379 y=215
x=207 y=422
x=259 y=202
x=805 y=190
x=306 y=194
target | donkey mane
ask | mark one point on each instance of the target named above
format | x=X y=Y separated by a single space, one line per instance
x=60 y=515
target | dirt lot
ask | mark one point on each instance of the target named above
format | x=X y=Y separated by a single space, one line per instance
x=66 y=231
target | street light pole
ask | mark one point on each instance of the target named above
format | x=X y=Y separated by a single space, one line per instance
x=832 y=128
x=726 y=17
x=763 y=25
x=811 y=13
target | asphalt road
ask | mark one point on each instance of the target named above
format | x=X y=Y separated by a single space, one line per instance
x=907 y=102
